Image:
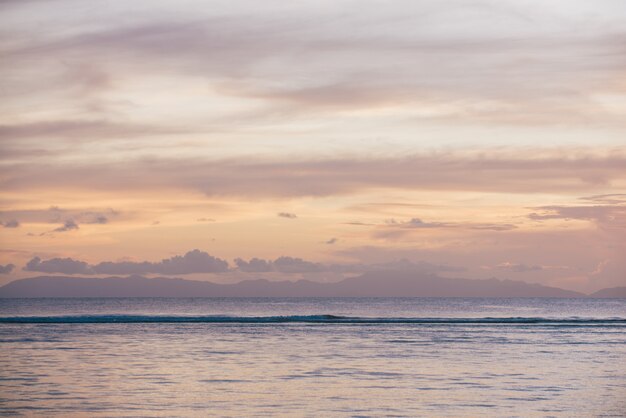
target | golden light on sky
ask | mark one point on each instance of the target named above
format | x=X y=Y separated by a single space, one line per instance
x=486 y=140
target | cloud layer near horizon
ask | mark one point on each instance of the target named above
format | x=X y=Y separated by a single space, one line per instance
x=194 y=261
x=579 y=171
x=314 y=138
x=197 y=261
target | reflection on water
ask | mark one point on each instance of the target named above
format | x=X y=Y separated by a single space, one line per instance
x=314 y=369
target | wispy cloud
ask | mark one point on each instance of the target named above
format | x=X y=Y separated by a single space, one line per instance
x=393 y=229
x=518 y=267
x=522 y=69
x=523 y=267
x=56 y=214
x=607 y=199
x=68 y=225
x=13 y=223
x=443 y=171
x=78 y=130
x=287 y=215
x=607 y=215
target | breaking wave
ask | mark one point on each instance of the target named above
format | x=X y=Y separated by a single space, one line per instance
x=314 y=319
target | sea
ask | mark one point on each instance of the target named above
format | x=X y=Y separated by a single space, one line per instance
x=318 y=357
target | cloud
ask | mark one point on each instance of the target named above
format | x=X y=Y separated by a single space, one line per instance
x=55 y=214
x=6 y=269
x=205 y=220
x=416 y=223
x=78 y=130
x=10 y=224
x=288 y=265
x=255 y=265
x=71 y=219
x=518 y=267
x=58 y=265
x=287 y=215
x=194 y=261
x=295 y=265
x=69 y=225
x=490 y=226
x=94 y=218
x=334 y=56
x=392 y=229
x=605 y=215
x=609 y=199
x=609 y=273
x=498 y=172
x=409 y=266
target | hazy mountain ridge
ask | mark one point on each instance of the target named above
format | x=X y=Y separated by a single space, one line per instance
x=611 y=292
x=372 y=284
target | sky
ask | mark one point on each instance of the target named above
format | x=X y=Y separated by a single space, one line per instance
x=227 y=140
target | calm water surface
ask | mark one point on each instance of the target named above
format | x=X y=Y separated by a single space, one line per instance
x=313 y=357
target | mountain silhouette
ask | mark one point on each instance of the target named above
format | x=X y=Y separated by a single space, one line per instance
x=371 y=284
x=612 y=292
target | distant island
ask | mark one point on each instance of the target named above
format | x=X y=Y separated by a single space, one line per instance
x=611 y=292
x=371 y=284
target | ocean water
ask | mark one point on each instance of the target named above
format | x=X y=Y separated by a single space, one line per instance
x=312 y=357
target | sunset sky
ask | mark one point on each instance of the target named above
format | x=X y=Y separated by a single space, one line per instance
x=318 y=140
